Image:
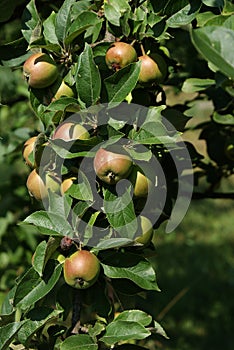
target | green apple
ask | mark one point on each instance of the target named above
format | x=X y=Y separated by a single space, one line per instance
x=145 y=231
x=141 y=184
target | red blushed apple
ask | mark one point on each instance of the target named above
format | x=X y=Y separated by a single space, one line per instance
x=110 y=167
x=70 y=131
x=119 y=55
x=40 y=70
x=81 y=269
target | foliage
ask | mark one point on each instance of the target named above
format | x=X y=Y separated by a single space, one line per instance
x=194 y=39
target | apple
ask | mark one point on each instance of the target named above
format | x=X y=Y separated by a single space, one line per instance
x=62 y=89
x=70 y=131
x=67 y=183
x=119 y=55
x=40 y=70
x=153 y=69
x=145 y=231
x=141 y=184
x=111 y=167
x=38 y=187
x=28 y=149
x=81 y=269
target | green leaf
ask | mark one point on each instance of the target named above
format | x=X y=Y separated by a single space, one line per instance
x=7 y=307
x=39 y=258
x=135 y=315
x=158 y=329
x=7 y=334
x=214 y=3
x=88 y=80
x=82 y=22
x=49 y=29
x=124 y=330
x=50 y=223
x=185 y=15
x=113 y=243
x=194 y=84
x=79 y=341
x=32 y=22
x=32 y=287
x=224 y=119
x=37 y=318
x=114 y=10
x=82 y=190
x=121 y=83
x=132 y=267
x=63 y=20
x=14 y=53
x=119 y=210
x=214 y=43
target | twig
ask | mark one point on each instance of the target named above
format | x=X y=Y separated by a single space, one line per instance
x=77 y=300
x=214 y=195
x=176 y=298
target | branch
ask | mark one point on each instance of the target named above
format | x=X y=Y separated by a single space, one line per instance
x=214 y=195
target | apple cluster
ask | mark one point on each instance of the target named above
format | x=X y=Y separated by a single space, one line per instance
x=110 y=164
x=153 y=67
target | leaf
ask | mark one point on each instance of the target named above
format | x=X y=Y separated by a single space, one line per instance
x=214 y=43
x=214 y=3
x=14 y=53
x=119 y=210
x=37 y=318
x=226 y=119
x=39 y=258
x=32 y=287
x=124 y=330
x=7 y=334
x=88 y=80
x=82 y=190
x=114 y=10
x=79 y=341
x=194 y=84
x=158 y=329
x=121 y=83
x=135 y=315
x=83 y=21
x=49 y=29
x=154 y=133
x=32 y=22
x=50 y=223
x=63 y=20
x=113 y=243
x=7 y=307
x=132 y=267
x=185 y=15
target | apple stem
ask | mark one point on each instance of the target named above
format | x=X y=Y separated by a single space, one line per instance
x=133 y=42
x=142 y=50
